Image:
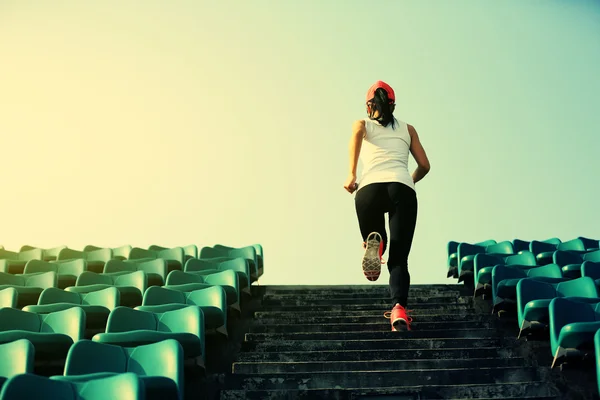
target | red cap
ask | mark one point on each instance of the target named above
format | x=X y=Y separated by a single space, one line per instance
x=384 y=86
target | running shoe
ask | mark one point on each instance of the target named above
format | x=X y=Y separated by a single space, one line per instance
x=371 y=262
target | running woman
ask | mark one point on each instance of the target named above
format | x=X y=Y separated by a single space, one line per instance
x=383 y=143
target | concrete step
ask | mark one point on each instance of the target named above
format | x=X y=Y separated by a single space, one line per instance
x=373 y=379
x=369 y=335
x=370 y=344
x=361 y=294
x=377 y=354
x=370 y=306
x=379 y=365
x=382 y=324
x=520 y=390
x=362 y=315
x=414 y=301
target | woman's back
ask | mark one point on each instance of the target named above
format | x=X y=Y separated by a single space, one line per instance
x=385 y=153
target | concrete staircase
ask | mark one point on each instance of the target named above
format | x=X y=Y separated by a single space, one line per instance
x=332 y=342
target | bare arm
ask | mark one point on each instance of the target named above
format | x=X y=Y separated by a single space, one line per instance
x=358 y=133
x=418 y=152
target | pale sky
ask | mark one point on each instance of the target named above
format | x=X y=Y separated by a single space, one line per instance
x=178 y=122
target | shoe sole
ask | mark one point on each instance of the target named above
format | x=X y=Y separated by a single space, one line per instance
x=400 y=325
x=371 y=263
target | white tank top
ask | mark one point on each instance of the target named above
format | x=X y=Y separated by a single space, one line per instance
x=384 y=154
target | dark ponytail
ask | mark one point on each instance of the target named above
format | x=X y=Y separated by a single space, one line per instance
x=381 y=103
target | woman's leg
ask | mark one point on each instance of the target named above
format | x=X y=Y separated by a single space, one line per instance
x=370 y=203
x=403 y=219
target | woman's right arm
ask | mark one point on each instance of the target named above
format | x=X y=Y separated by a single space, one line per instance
x=418 y=153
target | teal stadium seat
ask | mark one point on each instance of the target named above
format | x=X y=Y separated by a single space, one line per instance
x=570 y=262
x=155 y=270
x=67 y=271
x=8 y=297
x=190 y=281
x=131 y=285
x=573 y=325
x=51 y=334
x=467 y=253
x=452 y=250
x=127 y=327
x=506 y=277
x=240 y=265
x=533 y=299
x=29 y=287
x=16 y=358
x=484 y=264
x=127 y=386
x=223 y=254
x=159 y=365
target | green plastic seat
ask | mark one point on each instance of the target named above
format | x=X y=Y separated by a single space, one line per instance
x=240 y=265
x=16 y=358
x=506 y=277
x=466 y=256
x=131 y=285
x=520 y=245
x=452 y=255
x=13 y=263
x=259 y=255
x=50 y=254
x=222 y=254
x=127 y=327
x=29 y=287
x=190 y=251
x=533 y=299
x=485 y=263
x=159 y=365
x=95 y=259
x=174 y=257
x=211 y=300
x=118 y=253
x=156 y=269
x=97 y=305
x=545 y=252
x=51 y=334
x=190 y=281
x=573 y=325
x=597 y=354
x=127 y=386
x=67 y=271
x=571 y=262
x=9 y=297
x=590 y=244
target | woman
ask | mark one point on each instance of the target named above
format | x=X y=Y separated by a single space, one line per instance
x=386 y=186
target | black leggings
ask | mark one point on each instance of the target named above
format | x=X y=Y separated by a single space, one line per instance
x=400 y=201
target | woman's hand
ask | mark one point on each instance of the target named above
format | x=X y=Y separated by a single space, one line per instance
x=350 y=184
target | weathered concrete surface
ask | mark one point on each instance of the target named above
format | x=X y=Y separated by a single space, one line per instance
x=332 y=342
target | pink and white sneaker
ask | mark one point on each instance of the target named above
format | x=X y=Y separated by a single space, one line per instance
x=371 y=262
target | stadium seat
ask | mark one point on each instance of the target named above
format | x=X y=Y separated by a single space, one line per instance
x=211 y=300
x=51 y=334
x=47 y=254
x=118 y=253
x=127 y=327
x=127 y=386
x=597 y=354
x=467 y=253
x=240 y=265
x=156 y=269
x=95 y=259
x=131 y=285
x=159 y=365
x=533 y=299
x=520 y=245
x=174 y=257
x=505 y=279
x=29 y=287
x=97 y=305
x=67 y=271
x=452 y=250
x=571 y=262
x=484 y=264
x=9 y=297
x=223 y=254
x=259 y=255
x=573 y=325
x=590 y=244
x=545 y=251
x=13 y=263
x=16 y=357
x=190 y=281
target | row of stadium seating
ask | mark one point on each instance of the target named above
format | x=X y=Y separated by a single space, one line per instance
x=131 y=325
x=553 y=286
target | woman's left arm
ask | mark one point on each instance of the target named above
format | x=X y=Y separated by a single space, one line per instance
x=358 y=133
